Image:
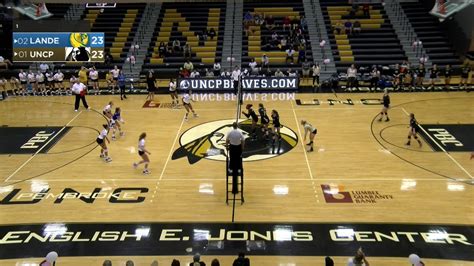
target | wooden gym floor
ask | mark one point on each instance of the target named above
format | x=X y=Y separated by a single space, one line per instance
x=353 y=152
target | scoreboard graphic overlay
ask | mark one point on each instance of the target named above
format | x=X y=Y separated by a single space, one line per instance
x=58 y=46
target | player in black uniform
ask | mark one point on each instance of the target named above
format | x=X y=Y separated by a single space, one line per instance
x=420 y=76
x=397 y=77
x=264 y=120
x=413 y=130
x=251 y=113
x=448 y=71
x=464 y=76
x=276 y=126
x=433 y=75
x=386 y=105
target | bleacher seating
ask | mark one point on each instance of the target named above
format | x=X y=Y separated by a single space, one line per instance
x=253 y=44
x=427 y=28
x=376 y=44
x=184 y=23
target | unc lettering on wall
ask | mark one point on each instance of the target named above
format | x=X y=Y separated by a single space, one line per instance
x=248 y=84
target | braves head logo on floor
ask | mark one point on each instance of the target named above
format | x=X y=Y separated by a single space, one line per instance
x=207 y=141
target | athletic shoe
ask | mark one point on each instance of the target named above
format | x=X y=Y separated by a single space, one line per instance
x=196 y=115
x=135 y=165
x=113 y=138
x=75 y=110
x=108 y=160
x=146 y=172
x=380 y=119
x=386 y=120
x=102 y=155
x=407 y=144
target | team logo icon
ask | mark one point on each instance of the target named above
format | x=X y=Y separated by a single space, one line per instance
x=207 y=141
x=78 y=50
x=184 y=85
x=79 y=39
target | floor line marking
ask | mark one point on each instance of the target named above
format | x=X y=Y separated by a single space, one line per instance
x=250 y=179
x=445 y=152
x=302 y=143
x=39 y=150
x=171 y=149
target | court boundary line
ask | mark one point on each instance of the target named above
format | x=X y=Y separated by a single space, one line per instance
x=39 y=150
x=171 y=149
x=251 y=179
x=444 y=151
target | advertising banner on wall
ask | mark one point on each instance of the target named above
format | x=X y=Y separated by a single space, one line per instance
x=248 y=84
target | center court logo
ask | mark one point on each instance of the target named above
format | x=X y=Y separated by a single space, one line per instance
x=206 y=141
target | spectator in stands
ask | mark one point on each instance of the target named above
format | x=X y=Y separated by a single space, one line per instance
x=286 y=23
x=348 y=27
x=279 y=74
x=338 y=27
x=204 y=34
x=328 y=261
x=161 y=50
x=209 y=73
x=197 y=261
x=420 y=75
x=283 y=44
x=215 y=262
x=397 y=77
x=44 y=68
x=188 y=65
x=301 y=54
x=352 y=77
x=356 y=27
x=374 y=78
x=353 y=11
x=248 y=18
x=108 y=58
x=366 y=9
x=176 y=46
x=217 y=69
x=226 y=74
x=275 y=37
x=195 y=74
x=290 y=52
x=175 y=263
x=303 y=24
x=292 y=73
x=359 y=259
x=259 y=19
x=253 y=67
x=212 y=33
x=270 y=22
x=295 y=23
x=5 y=62
x=169 y=49
x=265 y=61
x=184 y=73
x=241 y=260
x=187 y=51
x=316 y=69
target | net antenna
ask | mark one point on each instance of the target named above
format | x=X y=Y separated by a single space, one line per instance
x=443 y=9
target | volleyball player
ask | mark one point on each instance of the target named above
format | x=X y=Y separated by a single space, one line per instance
x=251 y=114
x=420 y=76
x=115 y=73
x=413 y=132
x=386 y=105
x=264 y=120
x=308 y=128
x=59 y=82
x=433 y=75
x=187 y=105
x=40 y=81
x=50 y=82
x=107 y=111
x=16 y=86
x=174 y=94
x=276 y=126
x=448 y=72
x=104 y=152
x=94 y=76
x=150 y=81
x=3 y=88
x=115 y=123
x=143 y=154
x=23 y=77
x=32 y=82
x=464 y=76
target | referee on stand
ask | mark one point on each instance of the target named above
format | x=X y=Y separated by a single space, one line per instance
x=79 y=90
x=235 y=142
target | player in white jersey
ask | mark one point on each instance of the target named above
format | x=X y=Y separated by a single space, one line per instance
x=32 y=82
x=115 y=121
x=104 y=152
x=142 y=151
x=187 y=104
x=23 y=77
x=308 y=128
x=16 y=87
x=174 y=94
x=59 y=82
x=115 y=74
x=50 y=82
x=3 y=88
x=107 y=111
x=41 y=83
x=94 y=77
